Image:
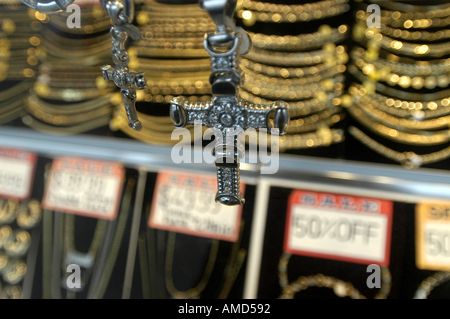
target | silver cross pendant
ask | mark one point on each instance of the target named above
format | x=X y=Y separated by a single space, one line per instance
x=226 y=114
x=121 y=15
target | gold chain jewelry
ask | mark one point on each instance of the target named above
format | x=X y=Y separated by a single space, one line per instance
x=340 y=288
x=195 y=292
x=8 y=210
x=417 y=138
x=5 y=235
x=18 y=244
x=299 y=42
x=430 y=283
x=408 y=159
x=269 y=12
x=14 y=271
x=29 y=215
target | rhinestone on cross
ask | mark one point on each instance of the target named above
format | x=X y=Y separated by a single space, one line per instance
x=121 y=15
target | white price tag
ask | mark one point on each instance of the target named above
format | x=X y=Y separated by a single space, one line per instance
x=84 y=187
x=185 y=203
x=16 y=173
x=433 y=236
x=339 y=227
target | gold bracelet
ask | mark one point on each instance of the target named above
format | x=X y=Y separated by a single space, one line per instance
x=300 y=42
x=287 y=59
x=325 y=118
x=419 y=11
x=417 y=138
x=169 y=65
x=67 y=95
x=408 y=159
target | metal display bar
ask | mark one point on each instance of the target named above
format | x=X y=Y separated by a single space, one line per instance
x=341 y=176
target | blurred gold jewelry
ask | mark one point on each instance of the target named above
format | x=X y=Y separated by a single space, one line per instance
x=69 y=95
x=172 y=52
x=294 y=92
x=30 y=214
x=426 y=286
x=5 y=235
x=323 y=137
x=407 y=159
x=178 y=65
x=14 y=271
x=295 y=9
x=401 y=123
x=404 y=81
x=287 y=59
x=415 y=35
x=299 y=42
x=296 y=108
x=287 y=78
x=403 y=65
x=11 y=292
x=417 y=138
x=407 y=21
x=275 y=71
x=4 y=259
x=66 y=130
x=15 y=90
x=250 y=17
x=399 y=108
x=418 y=11
x=169 y=43
x=18 y=243
x=376 y=86
x=325 y=118
x=8 y=210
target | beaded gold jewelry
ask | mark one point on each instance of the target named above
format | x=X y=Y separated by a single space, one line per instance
x=29 y=215
x=430 y=283
x=407 y=159
x=340 y=288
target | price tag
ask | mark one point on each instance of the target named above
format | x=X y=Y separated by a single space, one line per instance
x=87 y=3
x=84 y=187
x=185 y=203
x=16 y=173
x=433 y=236
x=339 y=227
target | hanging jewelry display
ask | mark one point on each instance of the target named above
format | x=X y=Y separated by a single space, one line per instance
x=171 y=50
x=226 y=114
x=72 y=98
x=306 y=70
x=433 y=281
x=401 y=90
x=19 y=39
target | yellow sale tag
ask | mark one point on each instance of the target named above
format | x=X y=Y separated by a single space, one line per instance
x=433 y=236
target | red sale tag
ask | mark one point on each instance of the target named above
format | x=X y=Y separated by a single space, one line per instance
x=84 y=187
x=17 y=170
x=339 y=227
x=185 y=203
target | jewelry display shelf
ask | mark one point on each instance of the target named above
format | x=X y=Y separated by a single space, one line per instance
x=315 y=174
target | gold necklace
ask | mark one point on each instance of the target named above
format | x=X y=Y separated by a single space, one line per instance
x=409 y=159
x=195 y=292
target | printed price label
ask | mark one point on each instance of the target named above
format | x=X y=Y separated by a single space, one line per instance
x=16 y=173
x=433 y=236
x=84 y=187
x=185 y=203
x=339 y=227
